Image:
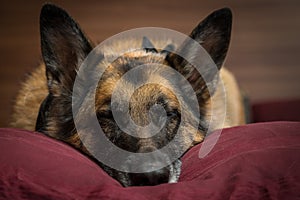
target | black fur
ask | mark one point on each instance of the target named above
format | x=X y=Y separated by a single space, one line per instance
x=64 y=47
x=43 y=114
x=148 y=46
x=213 y=33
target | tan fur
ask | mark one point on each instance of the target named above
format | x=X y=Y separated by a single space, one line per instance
x=233 y=102
x=137 y=98
x=34 y=90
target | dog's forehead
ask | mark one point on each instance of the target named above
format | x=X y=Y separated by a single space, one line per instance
x=115 y=76
x=138 y=58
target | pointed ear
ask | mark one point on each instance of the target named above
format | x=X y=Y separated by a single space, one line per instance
x=64 y=47
x=147 y=45
x=213 y=34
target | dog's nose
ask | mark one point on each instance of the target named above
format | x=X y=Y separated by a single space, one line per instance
x=150 y=178
x=151 y=175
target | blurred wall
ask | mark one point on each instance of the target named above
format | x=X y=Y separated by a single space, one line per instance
x=264 y=53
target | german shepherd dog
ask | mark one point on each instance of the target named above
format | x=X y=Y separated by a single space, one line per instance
x=44 y=103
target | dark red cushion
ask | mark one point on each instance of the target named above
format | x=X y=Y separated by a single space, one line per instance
x=257 y=161
x=284 y=110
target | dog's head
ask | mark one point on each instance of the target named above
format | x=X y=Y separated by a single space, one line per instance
x=64 y=48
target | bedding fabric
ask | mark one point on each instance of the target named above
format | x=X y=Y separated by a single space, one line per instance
x=285 y=110
x=256 y=161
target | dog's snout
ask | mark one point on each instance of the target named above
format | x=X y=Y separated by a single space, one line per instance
x=150 y=178
x=155 y=168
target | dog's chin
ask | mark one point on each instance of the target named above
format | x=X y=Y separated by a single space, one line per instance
x=176 y=169
x=169 y=174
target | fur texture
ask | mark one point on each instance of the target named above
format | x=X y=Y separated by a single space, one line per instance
x=44 y=102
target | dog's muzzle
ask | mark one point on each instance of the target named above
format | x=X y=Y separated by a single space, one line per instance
x=166 y=174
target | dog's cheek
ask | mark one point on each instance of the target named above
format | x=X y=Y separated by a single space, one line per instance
x=172 y=127
x=109 y=128
x=117 y=136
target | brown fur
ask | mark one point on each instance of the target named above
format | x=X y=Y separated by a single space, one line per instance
x=34 y=90
x=49 y=89
x=31 y=94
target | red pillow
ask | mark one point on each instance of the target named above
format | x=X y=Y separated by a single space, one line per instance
x=257 y=161
x=285 y=110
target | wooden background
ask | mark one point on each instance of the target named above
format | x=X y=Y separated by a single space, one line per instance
x=264 y=53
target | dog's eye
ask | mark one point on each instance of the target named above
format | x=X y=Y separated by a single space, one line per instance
x=105 y=114
x=172 y=113
x=159 y=119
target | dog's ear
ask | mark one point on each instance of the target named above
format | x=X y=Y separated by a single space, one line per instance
x=64 y=47
x=213 y=33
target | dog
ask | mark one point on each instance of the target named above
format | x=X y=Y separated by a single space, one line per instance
x=44 y=103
